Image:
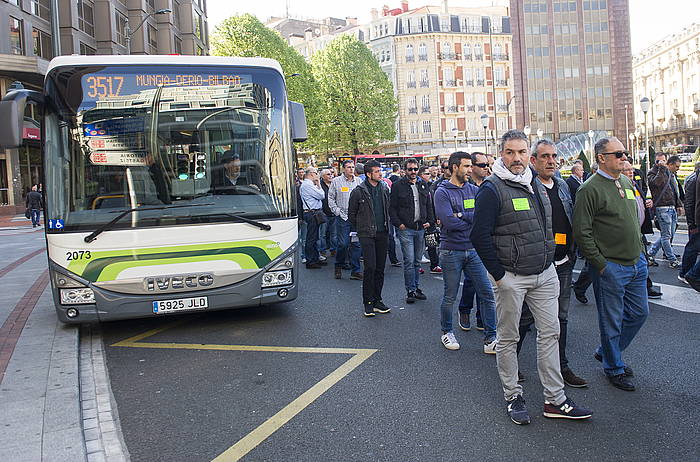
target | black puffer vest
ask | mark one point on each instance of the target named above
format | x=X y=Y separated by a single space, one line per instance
x=523 y=234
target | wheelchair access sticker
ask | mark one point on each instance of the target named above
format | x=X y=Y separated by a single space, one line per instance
x=56 y=224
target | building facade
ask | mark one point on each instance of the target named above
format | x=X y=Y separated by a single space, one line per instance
x=85 y=27
x=668 y=73
x=572 y=67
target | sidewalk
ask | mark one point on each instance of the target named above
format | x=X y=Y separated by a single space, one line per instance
x=55 y=400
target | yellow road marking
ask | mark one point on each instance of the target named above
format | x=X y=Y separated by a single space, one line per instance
x=274 y=423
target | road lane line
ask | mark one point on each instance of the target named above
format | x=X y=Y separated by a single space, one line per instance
x=274 y=423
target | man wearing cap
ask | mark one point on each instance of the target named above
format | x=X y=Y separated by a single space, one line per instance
x=608 y=233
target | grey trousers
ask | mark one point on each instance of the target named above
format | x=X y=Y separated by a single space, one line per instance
x=541 y=292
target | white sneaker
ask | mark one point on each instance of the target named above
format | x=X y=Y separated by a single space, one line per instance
x=449 y=341
x=322 y=258
x=490 y=348
x=682 y=279
x=424 y=260
x=303 y=260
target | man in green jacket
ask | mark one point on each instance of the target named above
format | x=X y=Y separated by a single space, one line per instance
x=607 y=230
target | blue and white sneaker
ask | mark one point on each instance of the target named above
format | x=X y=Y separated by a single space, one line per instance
x=517 y=412
x=566 y=410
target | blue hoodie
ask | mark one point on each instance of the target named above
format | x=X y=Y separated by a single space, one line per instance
x=450 y=202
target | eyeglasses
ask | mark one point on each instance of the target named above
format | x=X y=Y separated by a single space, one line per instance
x=445 y=167
x=618 y=154
x=619 y=187
x=481 y=165
x=412 y=169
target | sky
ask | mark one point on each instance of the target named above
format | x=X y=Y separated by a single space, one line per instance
x=650 y=20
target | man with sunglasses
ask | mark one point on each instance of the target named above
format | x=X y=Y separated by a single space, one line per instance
x=608 y=232
x=411 y=215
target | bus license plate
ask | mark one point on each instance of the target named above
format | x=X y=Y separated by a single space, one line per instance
x=180 y=304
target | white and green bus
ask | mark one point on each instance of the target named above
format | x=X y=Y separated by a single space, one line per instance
x=168 y=182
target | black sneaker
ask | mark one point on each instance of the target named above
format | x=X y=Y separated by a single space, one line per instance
x=479 y=324
x=420 y=295
x=410 y=297
x=566 y=410
x=622 y=382
x=464 y=322
x=651 y=261
x=694 y=283
x=581 y=297
x=653 y=293
x=380 y=307
x=356 y=276
x=369 y=310
x=628 y=370
x=572 y=379
x=517 y=412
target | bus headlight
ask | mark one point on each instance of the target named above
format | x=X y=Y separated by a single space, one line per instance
x=77 y=296
x=277 y=278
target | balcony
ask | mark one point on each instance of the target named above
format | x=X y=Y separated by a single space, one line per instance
x=449 y=83
x=479 y=83
x=502 y=107
x=424 y=84
x=450 y=109
x=470 y=83
x=501 y=82
x=478 y=57
x=468 y=57
x=422 y=57
x=500 y=57
x=411 y=84
x=413 y=110
x=481 y=107
x=471 y=108
x=410 y=59
x=425 y=110
x=449 y=56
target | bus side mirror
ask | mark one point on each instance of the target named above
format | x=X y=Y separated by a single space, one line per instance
x=297 y=119
x=12 y=116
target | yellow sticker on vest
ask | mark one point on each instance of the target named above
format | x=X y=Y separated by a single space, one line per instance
x=344 y=189
x=560 y=239
x=468 y=203
x=521 y=204
x=630 y=194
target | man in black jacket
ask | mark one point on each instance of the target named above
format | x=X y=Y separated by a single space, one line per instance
x=668 y=203
x=575 y=179
x=692 y=248
x=34 y=203
x=368 y=213
x=411 y=215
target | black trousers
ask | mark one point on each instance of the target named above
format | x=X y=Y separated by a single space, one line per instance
x=374 y=251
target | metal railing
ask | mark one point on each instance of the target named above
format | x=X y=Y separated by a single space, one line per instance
x=500 y=57
x=479 y=83
x=481 y=107
x=470 y=83
x=411 y=84
x=410 y=59
x=424 y=83
x=478 y=57
x=471 y=108
x=501 y=82
x=422 y=57
x=413 y=110
x=447 y=56
x=502 y=107
x=449 y=83
x=451 y=109
x=425 y=109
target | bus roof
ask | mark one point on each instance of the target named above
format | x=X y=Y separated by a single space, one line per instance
x=187 y=60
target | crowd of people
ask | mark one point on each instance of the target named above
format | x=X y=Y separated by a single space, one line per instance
x=509 y=230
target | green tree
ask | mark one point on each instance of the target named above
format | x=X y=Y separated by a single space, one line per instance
x=246 y=36
x=586 y=165
x=358 y=107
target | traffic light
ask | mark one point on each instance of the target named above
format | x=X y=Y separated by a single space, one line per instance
x=201 y=168
x=183 y=166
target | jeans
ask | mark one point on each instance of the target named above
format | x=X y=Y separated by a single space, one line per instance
x=667 y=222
x=467 y=301
x=302 y=237
x=345 y=247
x=456 y=263
x=310 y=249
x=690 y=253
x=412 y=245
x=326 y=235
x=374 y=251
x=35 y=217
x=621 y=299
x=392 y=245
x=564 y=272
x=540 y=291
x=433 y=256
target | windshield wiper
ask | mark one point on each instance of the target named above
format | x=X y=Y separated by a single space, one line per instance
x=241 y=218
x=91 y=237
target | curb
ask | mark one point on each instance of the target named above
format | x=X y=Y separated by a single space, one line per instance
x=100 y=420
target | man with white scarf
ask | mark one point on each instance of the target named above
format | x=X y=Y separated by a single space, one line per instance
x=513 y=236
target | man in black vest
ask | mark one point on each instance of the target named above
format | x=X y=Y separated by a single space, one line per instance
x=512 y=235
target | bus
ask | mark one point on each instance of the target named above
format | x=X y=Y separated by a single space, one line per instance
x=169 y=183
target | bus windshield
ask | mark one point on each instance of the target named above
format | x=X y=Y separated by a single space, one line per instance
x=211 y=140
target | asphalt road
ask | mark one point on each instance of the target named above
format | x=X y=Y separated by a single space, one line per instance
x=411 y=400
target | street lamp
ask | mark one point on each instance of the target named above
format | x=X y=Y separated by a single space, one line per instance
x=485 y=123
x=540 y=132
x=591 y=134
x=454 y=132
x=508 y=109
x=634 y=151
x=645 y=103
x=129 y=32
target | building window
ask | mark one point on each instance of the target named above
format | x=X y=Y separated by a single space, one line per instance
x=178 y=45
x=42 y=44
x=422 y=52
x=86 y=18
x=426 y=126
x=152 y=40
x=16 y=44
x=87 y=50
x=42 y=9
x=198 y=25
x=176 y=14
x=120 y=26
x=409 y=54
